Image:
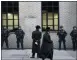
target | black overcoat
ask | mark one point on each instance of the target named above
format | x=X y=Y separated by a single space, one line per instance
x=47 y=47
x=36 y=36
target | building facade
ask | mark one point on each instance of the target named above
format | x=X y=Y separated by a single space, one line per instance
x=31 y=14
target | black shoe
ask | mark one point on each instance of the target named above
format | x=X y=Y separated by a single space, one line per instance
x=22 y=48
x=32 y=57
x=43 y=59
x=38 y=57
x=51 y=59
x=59 y=49
x=18 y=49
x=7 y=47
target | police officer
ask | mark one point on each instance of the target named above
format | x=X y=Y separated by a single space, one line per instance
x=73 y=35
x=36 y=36
x=62 y=34
x=20 y=36
x=4 y=36
x=47 y=46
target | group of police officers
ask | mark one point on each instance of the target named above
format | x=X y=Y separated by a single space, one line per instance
x=62 y=34
x=19 y=35
x=46 y=49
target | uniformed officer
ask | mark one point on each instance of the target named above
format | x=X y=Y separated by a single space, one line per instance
x=4 y=36
x=62 y=34
x=20 y=36
x=36 y=36
x=47 y=46
x=73 y=35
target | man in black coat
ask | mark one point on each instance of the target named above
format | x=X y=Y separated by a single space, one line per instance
x=20 y=36
x=62 y=34
x=4 y=36
x=47 y=46
x=36 y=36
x=73 y=35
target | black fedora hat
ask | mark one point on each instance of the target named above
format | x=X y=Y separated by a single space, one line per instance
x=47 y=28
x=37 y=27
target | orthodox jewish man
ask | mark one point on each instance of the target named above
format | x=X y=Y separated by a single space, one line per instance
x=36 y=36
x=47 y=46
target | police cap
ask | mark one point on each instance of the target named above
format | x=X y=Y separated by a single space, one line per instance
x=61 y=26
x=74 y=27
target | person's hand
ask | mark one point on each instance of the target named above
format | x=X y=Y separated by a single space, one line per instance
x=36 y=43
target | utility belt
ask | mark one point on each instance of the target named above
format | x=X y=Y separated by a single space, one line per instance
x=74 y=38
x=62 y=39
x=20 y=36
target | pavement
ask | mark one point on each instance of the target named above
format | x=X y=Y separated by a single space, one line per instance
x=25 y=54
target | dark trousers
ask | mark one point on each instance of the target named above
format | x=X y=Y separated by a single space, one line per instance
x=74 y=42
x=35 y=49
x=6 y=41
x=33 y=54
x=60 y=41
x=20 y=41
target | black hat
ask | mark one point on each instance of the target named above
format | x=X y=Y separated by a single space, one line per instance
x=15 y=28
x=74 y=27
x=48 y=28
x=61 y=26
x=37 y=27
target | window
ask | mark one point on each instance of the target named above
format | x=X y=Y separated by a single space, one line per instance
x=10 y=14
x=50 y=15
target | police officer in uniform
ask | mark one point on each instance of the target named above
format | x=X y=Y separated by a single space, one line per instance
x=46 y=50
x=4 y=36
x=73 y=35
x=20 y=36
x=36 y=36
x=62 y=34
